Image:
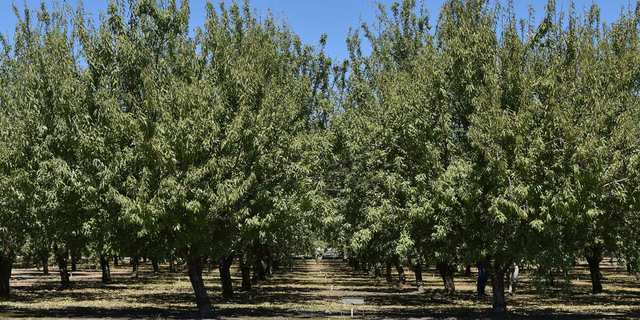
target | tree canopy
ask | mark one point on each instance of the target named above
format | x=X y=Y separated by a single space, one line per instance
x=474 y=137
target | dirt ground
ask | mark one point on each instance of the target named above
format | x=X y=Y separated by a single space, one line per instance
x=310 y=290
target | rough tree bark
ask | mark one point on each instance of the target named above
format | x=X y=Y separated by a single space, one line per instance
x=104 y=266
x=6 y=264
x=194 y=265
x=497 y=283
x=594 y=257
x=224 y=266
x=447 y=271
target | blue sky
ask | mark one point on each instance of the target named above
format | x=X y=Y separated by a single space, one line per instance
x=311 y=18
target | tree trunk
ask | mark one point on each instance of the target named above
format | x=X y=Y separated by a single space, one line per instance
x=44 y=259
x=269 y=265
x=156 y=266
x=387 y=273
x=401 y=277
x=224 y=266
x=74 y=263
x=6 y=263
x=355 y=264
x=194 y=265
x=594 y=256
x=245 y=268
x=62 y=257
x=417 y=270
x=135 y=263
x=115 y=261
x=482 y=278
x=104 y=266
x=497 y=283
x=258 y=271
x=551 y=278
x=467 y=270
x=172 y=266
x=377 y=270
x=514 y=274
x=446 y=271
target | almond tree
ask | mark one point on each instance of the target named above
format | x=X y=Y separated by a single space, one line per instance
x=14 y=215
x=47 y=100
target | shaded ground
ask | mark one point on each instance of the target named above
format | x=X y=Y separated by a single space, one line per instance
x=309 y=290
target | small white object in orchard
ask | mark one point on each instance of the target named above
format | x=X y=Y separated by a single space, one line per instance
x=352 y=301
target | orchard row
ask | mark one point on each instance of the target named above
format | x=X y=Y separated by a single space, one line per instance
x=473 y=138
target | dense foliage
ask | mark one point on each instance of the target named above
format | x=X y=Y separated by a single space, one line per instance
x=476 y=138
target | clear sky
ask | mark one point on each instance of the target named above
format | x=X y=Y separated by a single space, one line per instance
x=311 y=18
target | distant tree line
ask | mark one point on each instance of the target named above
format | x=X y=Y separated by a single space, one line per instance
x=477 y=138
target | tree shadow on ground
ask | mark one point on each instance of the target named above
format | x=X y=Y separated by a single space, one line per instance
x=92 y=312
x=263 y=312
x=301 y=293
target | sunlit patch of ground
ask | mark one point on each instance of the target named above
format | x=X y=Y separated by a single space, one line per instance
x=310 y=290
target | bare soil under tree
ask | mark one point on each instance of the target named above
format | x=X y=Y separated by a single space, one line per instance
x=309 y=290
